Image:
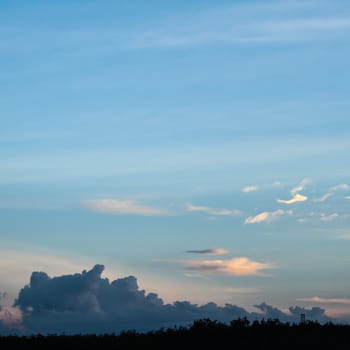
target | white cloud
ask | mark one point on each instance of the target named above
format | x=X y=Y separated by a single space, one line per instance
x=267 y=216
x=241 y=266
x=323 y=198
x=238 y=24
x=212 y=211
x=210 y=251
x=331 y=191
x=340 y=187
x=295 y=190
x=297 y=198
x=122 y=207
x=347 y=197
x=248 y=189
x=329 y=217
x=319 y=300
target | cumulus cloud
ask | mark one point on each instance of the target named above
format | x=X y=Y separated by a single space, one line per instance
x=271 y=312
x=248 y=189
x=267 y=216
x=315 y=313
x=87 y=303
x=241 y=266
x=297 y=198
x=122 y=207
x=212 y=211
x=210 y=251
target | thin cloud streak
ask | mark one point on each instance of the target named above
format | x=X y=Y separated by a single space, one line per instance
x=211 y=251
x=340 y=187
x=316 y=299
x=295 y=190
x=244 y=32
x=212 y=211
x=122 y=207
x=267 y=216
x=322 y=198
x=331 y=191
x=268 y=22
x=249 y=189
x=329 y=217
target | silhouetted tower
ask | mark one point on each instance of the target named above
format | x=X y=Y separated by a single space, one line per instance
x=302 y=318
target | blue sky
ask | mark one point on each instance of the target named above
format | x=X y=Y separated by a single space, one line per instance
x=133 y=132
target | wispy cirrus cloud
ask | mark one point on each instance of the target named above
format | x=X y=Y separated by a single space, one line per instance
x=317 y=216
x=267 y=216
x=222 y=26
x=323 y=198
x=212 y=211
x=319 y=300
x=241 y=266
x=210 y=251
x=297 y=198
x=249 y=189
x=123 y=207
x=300 y=186
x=329 y=217
x=331 y=191
x=236 y=23
x=340 y=187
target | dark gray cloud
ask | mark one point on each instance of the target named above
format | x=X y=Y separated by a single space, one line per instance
x=87 y=303
x=315 y=313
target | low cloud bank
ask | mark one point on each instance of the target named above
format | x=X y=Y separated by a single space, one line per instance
x=87 y=303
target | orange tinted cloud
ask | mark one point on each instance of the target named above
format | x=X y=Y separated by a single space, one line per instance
x=241 y=266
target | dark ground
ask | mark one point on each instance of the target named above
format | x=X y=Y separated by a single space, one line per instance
x=203 y=334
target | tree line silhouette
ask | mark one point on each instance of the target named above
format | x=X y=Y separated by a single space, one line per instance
x=201 y=334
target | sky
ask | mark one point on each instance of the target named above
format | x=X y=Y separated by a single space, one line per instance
x=198 y=147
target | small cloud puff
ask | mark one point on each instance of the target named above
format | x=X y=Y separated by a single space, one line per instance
x=267 y=216
x=122 y=207
x=211 y=251
x=212 y=211
x=297 y=198
x=248 y=189
x=241 y=266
